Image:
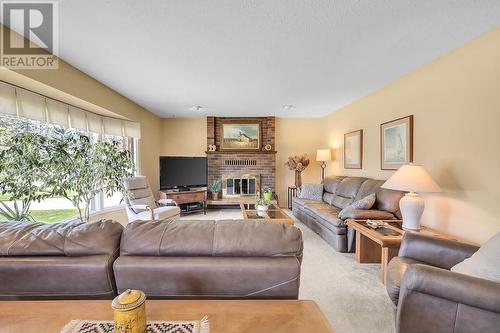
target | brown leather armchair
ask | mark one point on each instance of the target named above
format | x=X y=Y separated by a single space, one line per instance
x=431 y=298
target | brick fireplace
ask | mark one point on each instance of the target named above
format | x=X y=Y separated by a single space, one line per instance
x=239 y=164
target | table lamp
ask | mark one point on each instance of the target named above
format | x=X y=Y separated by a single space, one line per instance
x=323 y=155
x=413 y=179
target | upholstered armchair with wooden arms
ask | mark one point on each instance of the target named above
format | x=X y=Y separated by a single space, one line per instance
x=142 y=206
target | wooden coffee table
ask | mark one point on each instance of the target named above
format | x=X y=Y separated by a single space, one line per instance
x=382 y=244
x=273 y=214
x=225 y=316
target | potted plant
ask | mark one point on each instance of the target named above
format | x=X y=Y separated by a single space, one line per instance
x=262 y=204
x=215 y=187
x=297 y=164
x=88 y=168
x=24 y=166
x=268 y=193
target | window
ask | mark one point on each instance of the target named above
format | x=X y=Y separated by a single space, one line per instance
x=116 y=199
x=58 y=209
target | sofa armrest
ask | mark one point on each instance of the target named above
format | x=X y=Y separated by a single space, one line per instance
x=365 y=214
x=451 y=286
x=443 y=253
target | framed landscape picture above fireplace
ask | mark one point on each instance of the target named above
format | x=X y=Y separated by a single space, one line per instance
x=241 y=135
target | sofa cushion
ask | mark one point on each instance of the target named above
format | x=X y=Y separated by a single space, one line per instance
x=50 y=277
x=205 y=277
x=368 y=187
x=364 y=203
x=315 y=207
x=59 y=239
x=395 y=271
x=388 y=200
x=211 y=238
x=328 y=197
x=301 y=202
x=485 y=263
x=326 y=215
x=331 y=183
x=365 y=214
x=346 y=191
x=311 y=191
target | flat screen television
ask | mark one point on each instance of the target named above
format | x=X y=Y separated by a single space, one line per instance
x=182 y=172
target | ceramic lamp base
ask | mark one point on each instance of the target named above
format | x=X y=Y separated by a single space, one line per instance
x=412 y=206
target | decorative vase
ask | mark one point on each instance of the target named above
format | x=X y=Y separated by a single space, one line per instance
x=130 y=311
x=215 y=195
x=268 y=195
x=298 y=179
x=262 y=208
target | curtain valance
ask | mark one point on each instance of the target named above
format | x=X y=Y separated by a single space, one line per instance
x=24 y=103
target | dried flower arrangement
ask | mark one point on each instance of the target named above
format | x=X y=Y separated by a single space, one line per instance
x=297 y=164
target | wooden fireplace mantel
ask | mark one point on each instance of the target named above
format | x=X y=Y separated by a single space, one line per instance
x=241 y=152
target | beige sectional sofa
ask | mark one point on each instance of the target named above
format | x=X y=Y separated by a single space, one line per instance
x=322 y=216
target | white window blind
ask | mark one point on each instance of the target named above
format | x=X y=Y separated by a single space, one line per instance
x=31 y=106
x=58 y=114
x=23 y=103
x=8 y=100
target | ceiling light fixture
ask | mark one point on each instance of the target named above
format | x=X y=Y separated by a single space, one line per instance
x=196 y=108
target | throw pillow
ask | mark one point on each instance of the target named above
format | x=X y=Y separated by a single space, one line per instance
x=484 y=263
x=365 y=203
x=311 y=191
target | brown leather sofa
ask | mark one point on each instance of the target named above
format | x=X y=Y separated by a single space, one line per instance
x=166 y=259
x=431 y=298
x=338 y=192
x=209 y=259
x=63 y=260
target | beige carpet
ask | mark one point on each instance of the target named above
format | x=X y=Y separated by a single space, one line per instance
x=350 y=295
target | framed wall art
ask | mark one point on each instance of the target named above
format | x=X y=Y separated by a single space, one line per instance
x=396 y=143
x=353 y=150
x=241 y=135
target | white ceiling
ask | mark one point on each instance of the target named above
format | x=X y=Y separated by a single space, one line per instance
x=250 y=58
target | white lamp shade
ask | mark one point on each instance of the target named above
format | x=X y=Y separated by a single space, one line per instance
x=323 y=155
x=412 y=178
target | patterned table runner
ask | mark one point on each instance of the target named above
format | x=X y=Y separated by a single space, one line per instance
x=101 y=326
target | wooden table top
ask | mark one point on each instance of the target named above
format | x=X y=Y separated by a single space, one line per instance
x=395 y=240
x=264 y=316
x=376 y=236
x=273 y=214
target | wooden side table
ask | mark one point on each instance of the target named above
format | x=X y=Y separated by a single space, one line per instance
x=186 y=198
x=292 y=192
x=382 y=244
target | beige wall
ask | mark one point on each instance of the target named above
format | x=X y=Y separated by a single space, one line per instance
x=297 y=136
x=455 y=101
x=183 y=136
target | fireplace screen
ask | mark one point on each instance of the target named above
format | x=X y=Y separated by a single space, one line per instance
x=241 y=185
